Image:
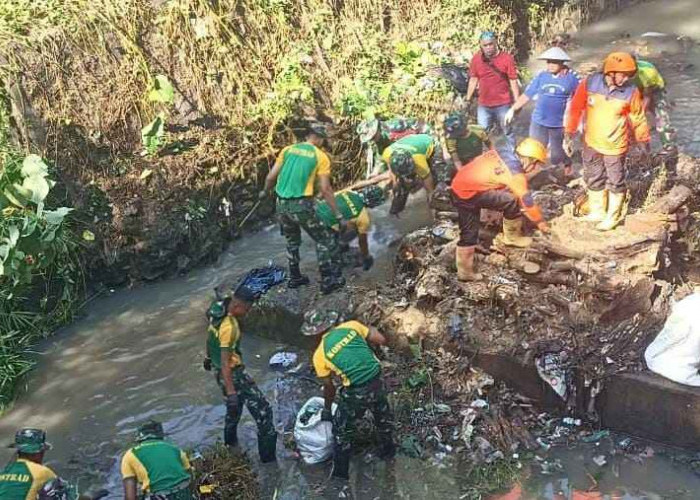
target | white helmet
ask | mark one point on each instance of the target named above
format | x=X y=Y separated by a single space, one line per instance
x=554 y=54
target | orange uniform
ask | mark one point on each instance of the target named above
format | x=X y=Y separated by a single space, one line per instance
x=490 y=171
x=608 y=113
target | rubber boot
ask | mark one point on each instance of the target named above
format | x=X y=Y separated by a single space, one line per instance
x=341 y=464
x=597 y=204
x=614 y=215
x=296 y=279
x=331 y=278
x=464 y=259
x=267 y=448
x=513 y=233
x=387 y=451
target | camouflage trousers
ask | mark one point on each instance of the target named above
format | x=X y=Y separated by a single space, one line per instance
x=181 y=494
x=353 y=403
x=661 y=109
x=252 y=397
x=297 y=214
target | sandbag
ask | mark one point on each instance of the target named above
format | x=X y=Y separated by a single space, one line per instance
x=675 y=353
x=313 y=437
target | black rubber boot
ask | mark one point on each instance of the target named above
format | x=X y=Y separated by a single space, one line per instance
x=296 y=279
x=341 y=464
x=387 y=451
x=331 y=279
x=267 y=448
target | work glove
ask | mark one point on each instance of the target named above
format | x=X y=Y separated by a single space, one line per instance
x=326 y=416
x=568 y=145
x=207 y=364
x=367 y=263
x=232 y=403
x=510 y=114
x=262 y=195
x=543 y=227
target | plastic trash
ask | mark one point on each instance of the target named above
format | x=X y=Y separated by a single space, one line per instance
x=314 y=438
x=551 y=370
x=283 y=359
x=675 y=352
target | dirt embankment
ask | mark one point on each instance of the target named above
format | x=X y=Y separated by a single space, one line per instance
x=79 y=75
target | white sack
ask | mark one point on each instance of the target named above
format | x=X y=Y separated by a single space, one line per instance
x=315 y=438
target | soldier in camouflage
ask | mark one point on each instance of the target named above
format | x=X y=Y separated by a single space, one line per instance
x=293 y=177
x=344 y=350
x=239 y=389
x=380 y=134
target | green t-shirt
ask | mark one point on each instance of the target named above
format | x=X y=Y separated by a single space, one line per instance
x=349 y=204
x=344 y=351
x=226 y=337
x=470 y=146
x=157 y=465
x=22 y=480
x=301 y=163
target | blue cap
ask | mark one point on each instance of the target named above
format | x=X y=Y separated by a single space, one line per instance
x=487 y=35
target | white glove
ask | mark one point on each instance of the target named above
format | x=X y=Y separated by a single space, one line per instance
x=509 y=116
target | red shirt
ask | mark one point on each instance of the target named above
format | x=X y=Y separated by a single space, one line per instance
x=494 y=88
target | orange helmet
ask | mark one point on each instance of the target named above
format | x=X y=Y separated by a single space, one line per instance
x=621 y=62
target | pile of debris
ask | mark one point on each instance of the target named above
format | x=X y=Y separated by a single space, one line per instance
x=579 y=305
x=222 y=475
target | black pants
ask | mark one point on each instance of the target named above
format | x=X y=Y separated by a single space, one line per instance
x=469 y=212
x=603 y=171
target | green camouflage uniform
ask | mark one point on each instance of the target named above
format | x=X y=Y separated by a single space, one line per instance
x=300 y=165
x=297 y=214
x=353 y=403
x=226 y=337
x=345 y=352
x=252 y=397
x=392 y=130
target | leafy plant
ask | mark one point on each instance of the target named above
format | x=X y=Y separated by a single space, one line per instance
x=152 y=134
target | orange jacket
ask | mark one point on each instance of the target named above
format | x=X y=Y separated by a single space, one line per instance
x=489 y=172
x=609 y=114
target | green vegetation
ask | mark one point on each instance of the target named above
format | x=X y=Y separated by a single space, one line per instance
x=40 y=279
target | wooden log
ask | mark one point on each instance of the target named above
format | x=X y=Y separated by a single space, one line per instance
x=672 y=201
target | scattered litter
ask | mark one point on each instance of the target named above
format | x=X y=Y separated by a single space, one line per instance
x=550 y=369
x=283 y=359
x=599 y=460
x=571 y=421
x=596 y=436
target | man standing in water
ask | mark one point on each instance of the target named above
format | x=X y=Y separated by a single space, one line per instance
x=345 y=351
x=23 y=478
x=224 y=355
x=496 y=75
x=161 y=468
x=294 y=178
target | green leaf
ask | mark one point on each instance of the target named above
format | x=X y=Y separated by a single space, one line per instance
x=14 y=197
x=162 y=90
x=88 y=235
x=39 y=187
x=13 y=236
x=56 y=216
x=4 y=252
x=33 y=165
x=152 y=134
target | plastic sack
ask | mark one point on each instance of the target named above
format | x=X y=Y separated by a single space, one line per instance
x=314 y=438
x=675 y=352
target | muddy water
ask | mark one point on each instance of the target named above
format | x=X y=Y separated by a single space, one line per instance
x=137 y=354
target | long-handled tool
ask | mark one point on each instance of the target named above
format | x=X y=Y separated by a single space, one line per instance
x=252 y=210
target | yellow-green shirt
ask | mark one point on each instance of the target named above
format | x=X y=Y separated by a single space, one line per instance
x=421 y=147
x=225 y=338
x=345 y=352
x=157 y=465
x=301 y=164
x=22 y=480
